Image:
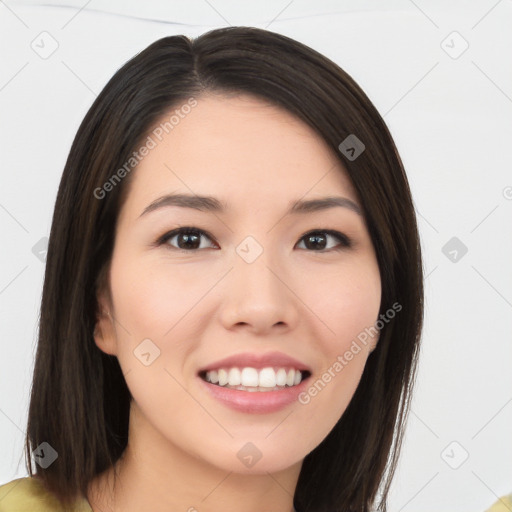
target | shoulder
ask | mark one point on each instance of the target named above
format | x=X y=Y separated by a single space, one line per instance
x=29 y=494
x=504 y=504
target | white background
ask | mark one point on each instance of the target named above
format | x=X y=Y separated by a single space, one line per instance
x=452 y=122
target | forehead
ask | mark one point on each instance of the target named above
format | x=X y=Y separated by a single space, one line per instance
x=240 y=149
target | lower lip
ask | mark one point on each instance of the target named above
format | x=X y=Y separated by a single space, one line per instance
x=255 y=402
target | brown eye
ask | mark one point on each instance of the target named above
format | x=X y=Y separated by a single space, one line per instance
x=186 y=239
x=319 y=240
x=189 y=239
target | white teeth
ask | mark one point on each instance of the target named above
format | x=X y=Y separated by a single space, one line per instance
x=251 y=379
x=223 y=377
x=234 y=376
x=281 y=377
x=267 y=378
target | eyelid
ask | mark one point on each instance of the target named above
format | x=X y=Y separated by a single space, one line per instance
x=345 y=242
x=181 y=229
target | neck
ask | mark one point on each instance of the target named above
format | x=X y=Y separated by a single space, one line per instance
x=155 y=474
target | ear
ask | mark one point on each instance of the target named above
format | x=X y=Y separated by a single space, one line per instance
x=104 y=331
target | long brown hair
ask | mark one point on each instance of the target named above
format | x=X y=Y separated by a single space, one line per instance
x=79 y=400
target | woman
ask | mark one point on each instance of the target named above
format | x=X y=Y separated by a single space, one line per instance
x=233 y=296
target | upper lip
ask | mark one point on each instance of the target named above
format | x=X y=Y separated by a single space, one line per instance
x=258 y=361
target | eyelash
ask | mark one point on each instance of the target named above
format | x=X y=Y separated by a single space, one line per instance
x=344 y=240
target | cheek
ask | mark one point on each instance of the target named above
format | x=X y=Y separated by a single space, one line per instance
x=154 y=301
x=347 y=306
x=160 y=303
x=152 y=297
x=346 y=303
x=154 y=315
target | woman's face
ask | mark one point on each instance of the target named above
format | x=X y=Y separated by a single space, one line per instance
x=245 y=284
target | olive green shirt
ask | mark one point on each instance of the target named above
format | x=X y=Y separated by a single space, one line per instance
x=28 y=495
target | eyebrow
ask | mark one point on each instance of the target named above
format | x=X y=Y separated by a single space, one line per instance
x=212 y=204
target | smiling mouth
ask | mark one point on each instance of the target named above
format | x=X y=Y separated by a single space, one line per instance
x=253 y=379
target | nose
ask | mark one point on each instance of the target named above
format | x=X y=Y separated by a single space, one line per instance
x=259 y=298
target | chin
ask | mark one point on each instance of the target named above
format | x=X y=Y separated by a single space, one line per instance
x=257 y=455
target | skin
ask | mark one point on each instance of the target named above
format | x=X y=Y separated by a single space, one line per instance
x=310 y=304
